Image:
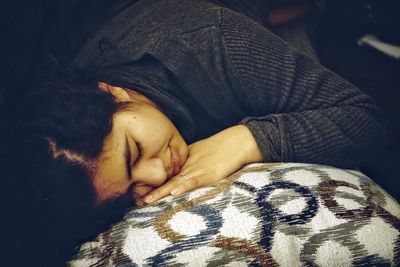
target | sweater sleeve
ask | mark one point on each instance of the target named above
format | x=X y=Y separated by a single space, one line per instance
x=300 y=111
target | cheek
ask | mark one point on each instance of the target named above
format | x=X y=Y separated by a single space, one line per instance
x=156 y=139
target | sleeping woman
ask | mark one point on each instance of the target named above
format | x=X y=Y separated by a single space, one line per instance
x=167 y=96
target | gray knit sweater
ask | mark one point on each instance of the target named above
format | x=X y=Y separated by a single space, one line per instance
x=210 y=68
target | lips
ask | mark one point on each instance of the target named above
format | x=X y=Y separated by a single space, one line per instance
x=175 y=162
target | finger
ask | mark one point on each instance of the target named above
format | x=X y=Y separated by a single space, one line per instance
x=138 y=199
x=140 y=202
x=163 y=190
x=103 y=87
x=189 y=185
x=142 y=190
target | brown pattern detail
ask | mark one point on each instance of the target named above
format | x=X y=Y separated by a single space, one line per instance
x=326 y=190
x=371 y=209
x=246 y=247
x=161 y=222
x=261 y=167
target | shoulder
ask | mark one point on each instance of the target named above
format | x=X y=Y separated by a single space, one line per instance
x=139 y=27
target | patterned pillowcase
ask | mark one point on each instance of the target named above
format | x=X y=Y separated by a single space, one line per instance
x=264 y=215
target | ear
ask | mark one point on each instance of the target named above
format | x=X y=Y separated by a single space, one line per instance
x=118 y=92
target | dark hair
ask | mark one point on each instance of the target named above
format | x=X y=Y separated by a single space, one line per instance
x=58 y=208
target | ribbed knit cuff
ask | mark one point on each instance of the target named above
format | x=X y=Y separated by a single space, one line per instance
x=270 y=137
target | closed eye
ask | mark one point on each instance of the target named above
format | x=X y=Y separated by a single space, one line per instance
x=127 y=156
x=139 y=151
x=128 y=159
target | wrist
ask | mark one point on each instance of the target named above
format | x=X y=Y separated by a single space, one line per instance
x=248 y=144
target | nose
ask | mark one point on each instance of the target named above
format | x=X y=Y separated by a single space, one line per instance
x=149 y=171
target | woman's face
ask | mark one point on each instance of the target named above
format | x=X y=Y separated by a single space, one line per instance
x=143 y=148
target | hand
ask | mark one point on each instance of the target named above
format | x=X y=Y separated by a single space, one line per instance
x=139 y=191
x=211 y=160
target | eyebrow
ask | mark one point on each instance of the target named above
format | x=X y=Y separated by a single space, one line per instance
x=127 y=156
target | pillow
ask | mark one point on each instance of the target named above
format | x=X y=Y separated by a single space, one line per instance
x=264 y=215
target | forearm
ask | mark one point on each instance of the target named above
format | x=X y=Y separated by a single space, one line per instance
x=339 y=136
x=300 y=110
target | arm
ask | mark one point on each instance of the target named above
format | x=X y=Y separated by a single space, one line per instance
x=299 y=111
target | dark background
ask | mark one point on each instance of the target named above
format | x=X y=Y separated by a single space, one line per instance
x=342 y=24
x=25 y=24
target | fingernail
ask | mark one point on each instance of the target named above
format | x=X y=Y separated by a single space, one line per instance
x=148 y=199
x=140 y=203
x=175 y=192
